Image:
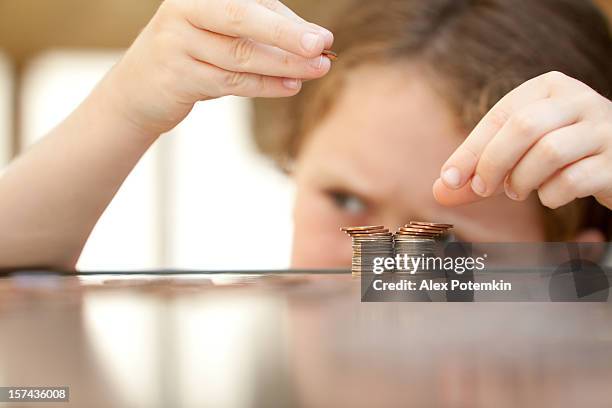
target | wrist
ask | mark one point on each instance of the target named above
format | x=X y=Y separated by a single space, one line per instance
x=113 y=102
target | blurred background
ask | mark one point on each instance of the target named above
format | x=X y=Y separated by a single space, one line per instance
x=196 y=187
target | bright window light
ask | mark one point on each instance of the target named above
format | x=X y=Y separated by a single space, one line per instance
x=126 y=236
x=193 y=192
x=231 y=209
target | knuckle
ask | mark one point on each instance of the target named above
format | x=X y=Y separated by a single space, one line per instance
x=269 y=4
x=498 y=117
x=523 y=124
x=487 y=164
x=234 y=81
x=279 y=32
x=216 y=87
x=554 y=77
x=550 y=151
x=568 y=181
x=259 y=85
x=242 y=51
x=287 y=60
x=471 y=153
x=235 y=12
x=169 y=12
x=173 y=4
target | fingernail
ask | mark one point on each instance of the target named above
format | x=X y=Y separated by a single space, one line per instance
x=320 y=63
x=452 y=177
x=329 y=37
x=478 y=186
x=510 y=193
x=311 y=42
x=292 y=84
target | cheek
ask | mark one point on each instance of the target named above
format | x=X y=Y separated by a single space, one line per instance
x=317 y=239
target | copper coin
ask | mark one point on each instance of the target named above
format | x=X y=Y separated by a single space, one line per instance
x=429 y=234
x=403 y=237
x=434 y=230
x=367 y=234
x=365 y=228
x=373 y=236
x=419 y=229
x=431 y=224
x=330 y=54
x=370 y=234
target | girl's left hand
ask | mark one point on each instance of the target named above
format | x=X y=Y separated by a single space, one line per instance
x=552 y=134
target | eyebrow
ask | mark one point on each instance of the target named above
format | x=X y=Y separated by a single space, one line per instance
x=347 y=180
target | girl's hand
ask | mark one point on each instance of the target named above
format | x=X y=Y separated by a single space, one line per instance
x=194 y=50
x=552 y=134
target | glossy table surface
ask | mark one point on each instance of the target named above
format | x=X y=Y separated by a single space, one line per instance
x=293 y=339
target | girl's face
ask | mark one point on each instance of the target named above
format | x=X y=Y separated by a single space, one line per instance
x=373 y=160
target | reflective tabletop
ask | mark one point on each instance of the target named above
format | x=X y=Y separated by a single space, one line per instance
x=283 y=339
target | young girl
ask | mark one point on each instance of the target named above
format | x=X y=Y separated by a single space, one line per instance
x=485 y=100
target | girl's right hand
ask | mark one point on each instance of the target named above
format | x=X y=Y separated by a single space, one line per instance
x=195 y=50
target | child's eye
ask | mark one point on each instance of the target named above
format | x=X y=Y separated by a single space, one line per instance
x=348 y=202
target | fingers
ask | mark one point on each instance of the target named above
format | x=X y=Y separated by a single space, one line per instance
x=451 y=197
x=249 y=19
x=215 y=82
x=583 y=178
x=460 y=167
x=280 y=8
x=246 y=55
x=520 y=132
x=510 y=129
x=554 y=151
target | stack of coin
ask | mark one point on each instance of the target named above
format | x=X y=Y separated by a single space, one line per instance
x=418 y=239
x=369 y=242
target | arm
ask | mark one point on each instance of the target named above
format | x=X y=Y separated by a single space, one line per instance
x=192 y=50
x=54 y=194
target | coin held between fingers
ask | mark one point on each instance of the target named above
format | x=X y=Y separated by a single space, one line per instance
x=330 y=54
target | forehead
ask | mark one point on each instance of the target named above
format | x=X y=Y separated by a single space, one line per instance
x=388 y=125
